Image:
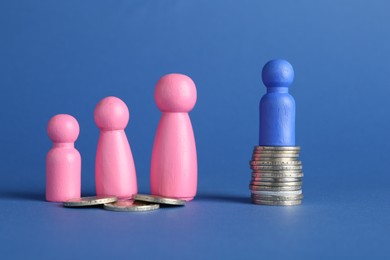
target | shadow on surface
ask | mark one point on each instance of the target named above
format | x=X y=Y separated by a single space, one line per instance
x=222 y=198
x=22 y=195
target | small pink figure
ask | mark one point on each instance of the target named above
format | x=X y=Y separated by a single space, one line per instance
x=174 y=167
x=63 y=161
x=114 y=167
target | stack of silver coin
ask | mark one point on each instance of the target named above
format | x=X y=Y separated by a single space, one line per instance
x=276 y=176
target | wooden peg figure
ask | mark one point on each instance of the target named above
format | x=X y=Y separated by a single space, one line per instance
x=114 y=166
x=63 y=161
x=174 y=167
x=277 y=106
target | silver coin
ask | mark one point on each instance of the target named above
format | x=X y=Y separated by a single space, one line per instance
x=130 y=205
x=276 y=184
x=287 y=152
x=263 y=197
x=276 y=167
x=276 y=152
x=159 y=199
x=276 y=193
x=277 y=171
x=273 y=158
x=276 y=179
x=279 y=174
x=277 y=202
x=273 y=188
x=277 y=148
x=89 y=201
x=261 y=162
x=274 y=155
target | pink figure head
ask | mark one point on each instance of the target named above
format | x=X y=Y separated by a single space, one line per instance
x=111 y=113
x=63 y=128
x=175 y=93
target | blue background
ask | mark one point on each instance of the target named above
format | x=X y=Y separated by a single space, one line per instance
x=64 y=56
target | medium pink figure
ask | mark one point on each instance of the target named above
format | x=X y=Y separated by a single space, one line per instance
x=114 y=167
x=174 y=167
x=63 y=161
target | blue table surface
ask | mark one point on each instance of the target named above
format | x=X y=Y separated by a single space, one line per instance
x=64 y=56
x=337 y=219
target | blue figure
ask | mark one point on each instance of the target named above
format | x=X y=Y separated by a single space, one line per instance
x=277 y=106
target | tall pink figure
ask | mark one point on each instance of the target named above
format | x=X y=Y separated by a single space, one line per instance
x=114 y=167
x=174 y=167
x=63 y=161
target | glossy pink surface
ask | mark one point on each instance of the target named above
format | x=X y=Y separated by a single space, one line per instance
x=174 y=168
x=63 y=161
x=114 y=167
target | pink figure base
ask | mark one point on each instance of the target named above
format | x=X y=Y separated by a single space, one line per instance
x=186 y=199
x=63 y=173
x=115 y=170
x=179 y=198
x=174 y=161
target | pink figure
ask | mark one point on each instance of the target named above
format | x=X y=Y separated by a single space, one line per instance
x=63 y=161
x=114 y=167
x=174 y=167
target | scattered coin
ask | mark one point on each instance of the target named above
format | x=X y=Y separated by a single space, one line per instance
x=130 y=205
x=89 y=201
x=159 y=199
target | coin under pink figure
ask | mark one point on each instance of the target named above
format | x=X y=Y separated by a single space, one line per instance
x=63 y=161
x=174 y=167
x=114 y=167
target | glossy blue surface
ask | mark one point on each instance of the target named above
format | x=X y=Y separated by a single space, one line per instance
x=63 y=57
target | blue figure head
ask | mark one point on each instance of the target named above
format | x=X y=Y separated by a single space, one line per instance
x=277 y=73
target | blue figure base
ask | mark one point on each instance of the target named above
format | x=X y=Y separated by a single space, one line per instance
x=277 y=120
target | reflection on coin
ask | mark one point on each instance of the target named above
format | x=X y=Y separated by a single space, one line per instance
x=274 y=188
x=89 y=201
x=159 y=199
x=276 y=175
x=265 y=197
x=277 y=148
x=276 y=156
x=277 y=202
x=261 y=162
x=279 y=174
x=277 y=193
x=130 y=205
x=276 y=167
x=273 y=158
x=279 y=153
x=276 y=179
x=275 y=184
